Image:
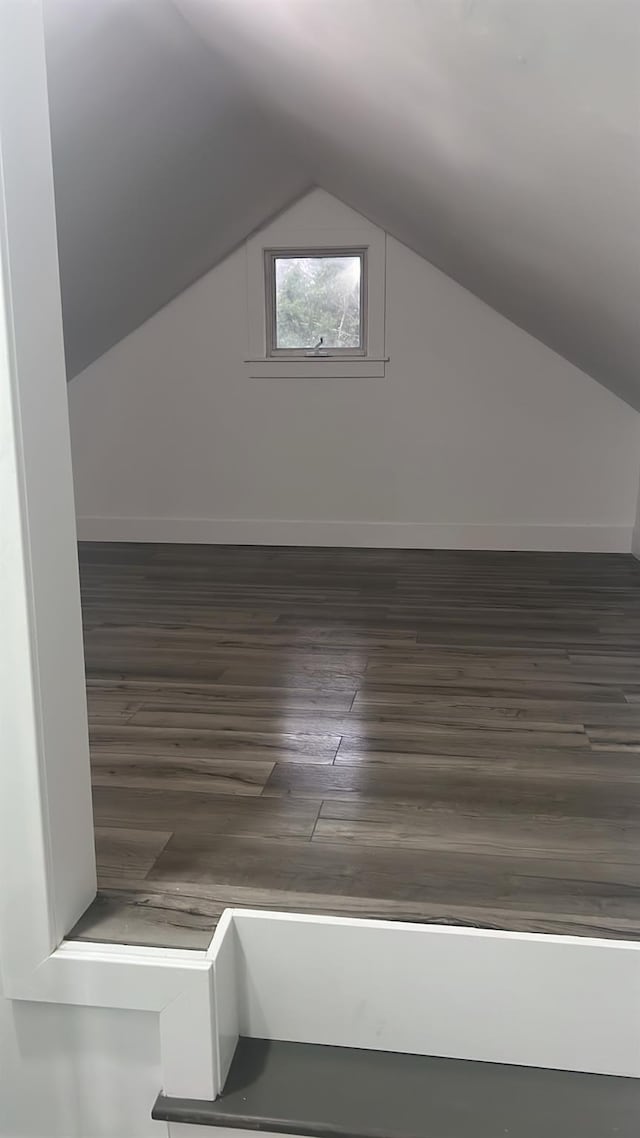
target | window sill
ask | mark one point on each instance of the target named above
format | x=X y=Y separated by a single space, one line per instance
x=317 y=367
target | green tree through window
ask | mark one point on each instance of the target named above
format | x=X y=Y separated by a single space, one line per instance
x=318 y=297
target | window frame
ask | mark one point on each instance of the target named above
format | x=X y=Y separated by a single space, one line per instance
x=292 y=233
x=271 y=255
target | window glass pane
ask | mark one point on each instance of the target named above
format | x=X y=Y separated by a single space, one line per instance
x=318 y=297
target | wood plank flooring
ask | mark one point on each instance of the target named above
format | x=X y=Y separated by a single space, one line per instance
x=420 y=735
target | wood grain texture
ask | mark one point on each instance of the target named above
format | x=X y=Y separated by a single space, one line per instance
x=418 y=735
x=186 y=811
x=457 y=789
x=410 y=874
x=215 y=776
x=127 y=852
x=163 y=739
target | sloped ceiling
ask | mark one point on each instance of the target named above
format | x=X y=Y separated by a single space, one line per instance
x=498 y=138
x=163 y=162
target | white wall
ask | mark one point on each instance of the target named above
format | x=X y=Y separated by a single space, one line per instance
x=69 y=1072
x=478 y=435
x=635 y=539
x=64 y=1072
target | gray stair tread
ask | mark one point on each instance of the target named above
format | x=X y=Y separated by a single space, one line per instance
x=339 y=1092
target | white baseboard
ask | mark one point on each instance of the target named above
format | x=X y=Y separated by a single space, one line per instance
x=375 y=535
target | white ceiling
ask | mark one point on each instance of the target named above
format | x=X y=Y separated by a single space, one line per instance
x=498 y=138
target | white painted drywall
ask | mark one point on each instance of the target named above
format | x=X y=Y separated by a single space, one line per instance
x=635 y=537
x=64 y=1072
x=477 y=436
x=71 y=1072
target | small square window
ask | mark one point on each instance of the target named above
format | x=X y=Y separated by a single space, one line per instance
x=316 y=302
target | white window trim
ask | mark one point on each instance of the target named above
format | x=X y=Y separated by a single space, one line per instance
x=338 y=365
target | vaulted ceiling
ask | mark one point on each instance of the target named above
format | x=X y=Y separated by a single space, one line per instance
x=500 y=139
x=163 y=162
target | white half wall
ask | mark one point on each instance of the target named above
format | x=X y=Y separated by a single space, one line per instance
x=72 y=1072
x=478 y=436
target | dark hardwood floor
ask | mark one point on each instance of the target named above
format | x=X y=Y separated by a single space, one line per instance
x=420 y=735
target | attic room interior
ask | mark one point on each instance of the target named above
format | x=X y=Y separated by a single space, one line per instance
x=319 y=572
x=352 y=349
x=352 y=360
